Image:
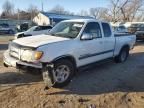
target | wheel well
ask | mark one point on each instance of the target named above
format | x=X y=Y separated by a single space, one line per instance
x=126 y=46
x=70 y=58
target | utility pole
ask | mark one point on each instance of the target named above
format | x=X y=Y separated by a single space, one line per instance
x=42 y=6
x=18 y=16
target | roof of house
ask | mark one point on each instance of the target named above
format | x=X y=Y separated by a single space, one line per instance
x=63 y=16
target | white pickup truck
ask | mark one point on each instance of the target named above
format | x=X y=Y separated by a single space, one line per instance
x=70 y=44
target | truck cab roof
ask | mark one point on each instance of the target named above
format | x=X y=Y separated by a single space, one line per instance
x=81 y=20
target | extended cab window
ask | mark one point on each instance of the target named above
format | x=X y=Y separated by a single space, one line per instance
x=93 y=28
x=106 y=30
x=46 y=27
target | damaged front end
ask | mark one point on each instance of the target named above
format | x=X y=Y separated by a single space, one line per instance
x=28 y=60
x=48 y=75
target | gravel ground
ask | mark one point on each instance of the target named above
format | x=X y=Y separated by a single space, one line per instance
x=104 y=85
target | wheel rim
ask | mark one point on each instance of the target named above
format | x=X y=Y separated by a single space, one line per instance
x=61 y=73
x=123 y=55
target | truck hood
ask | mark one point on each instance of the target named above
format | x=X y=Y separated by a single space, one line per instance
x=36 y=41
x=19 y=33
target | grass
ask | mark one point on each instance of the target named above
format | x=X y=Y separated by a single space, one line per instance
x=5 y=38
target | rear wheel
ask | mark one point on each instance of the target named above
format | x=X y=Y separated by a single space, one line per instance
x=123 y=55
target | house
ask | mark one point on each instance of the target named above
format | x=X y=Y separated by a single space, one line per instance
x=45 y=18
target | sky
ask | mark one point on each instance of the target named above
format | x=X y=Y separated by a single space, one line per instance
x=70 y=5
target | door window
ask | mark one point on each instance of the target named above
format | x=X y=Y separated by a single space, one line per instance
x=93 y=28
x=106 y=30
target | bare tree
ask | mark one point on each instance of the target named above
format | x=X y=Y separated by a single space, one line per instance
x=83 y=13
x=8 y=9
x=114 y=11
x=33 y=11
x=125 y=10
x=99 y=13
x=57 y=9
x=8 y=12
x=131 y=10
x=60 y=10
x=94 y=12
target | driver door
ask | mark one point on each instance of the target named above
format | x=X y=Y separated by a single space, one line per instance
x=91 y=50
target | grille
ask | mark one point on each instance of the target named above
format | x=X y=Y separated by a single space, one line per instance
x=14 y=50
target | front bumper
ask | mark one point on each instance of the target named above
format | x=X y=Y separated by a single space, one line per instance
x=46 y=69
x=13 y=62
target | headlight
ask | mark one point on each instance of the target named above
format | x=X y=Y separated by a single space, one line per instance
x=30 y=56
x=26 y=55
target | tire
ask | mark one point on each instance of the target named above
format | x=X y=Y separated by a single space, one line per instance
x=123 y=55
x=69 y=66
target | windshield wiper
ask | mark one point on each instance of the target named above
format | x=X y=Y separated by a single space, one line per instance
x=60 y=35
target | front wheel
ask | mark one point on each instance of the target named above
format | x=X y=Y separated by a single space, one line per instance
x=63 y=73
x=123 y=55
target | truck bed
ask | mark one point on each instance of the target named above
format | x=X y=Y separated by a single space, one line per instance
x=122 y=34
x=123 y=39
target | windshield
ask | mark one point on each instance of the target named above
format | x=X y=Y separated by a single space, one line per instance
x=122 y=27
x=135 y=25
x=32 y=28
x=67 y=29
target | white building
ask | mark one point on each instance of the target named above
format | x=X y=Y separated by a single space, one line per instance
x=45 y=18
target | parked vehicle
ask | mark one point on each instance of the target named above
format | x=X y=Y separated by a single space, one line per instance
x=70 y=44
x=120 y=29
x=5 y=29
x=23 y=27
x=35 y=30
x=138 y=30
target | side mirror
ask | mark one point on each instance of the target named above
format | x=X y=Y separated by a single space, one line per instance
x=86 y=36
x=48 y=30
